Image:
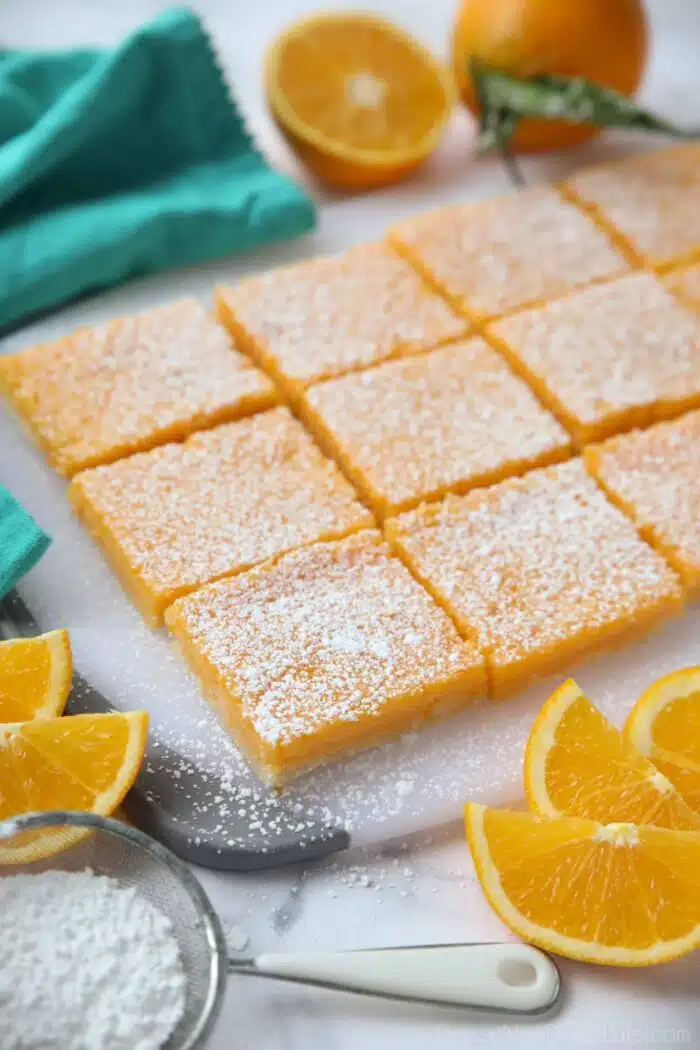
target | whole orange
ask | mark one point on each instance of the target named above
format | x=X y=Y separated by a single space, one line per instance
x=602 y=40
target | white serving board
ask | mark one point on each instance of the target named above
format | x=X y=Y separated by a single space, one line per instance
x=418 y=781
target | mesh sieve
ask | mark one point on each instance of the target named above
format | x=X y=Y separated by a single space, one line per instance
x=123 y=853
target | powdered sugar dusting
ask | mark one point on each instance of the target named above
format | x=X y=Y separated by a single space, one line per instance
x=496 y=255
x=655 y=474
x=456 y=417
x=628 y=344
x=320 y=639
x=650 y=198
x=226 y=499
x=333 y=315
x=133 y=383
x=537 y=562
x=85 y=964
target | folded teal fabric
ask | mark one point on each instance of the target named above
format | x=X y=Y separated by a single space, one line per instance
x=118 y=163
x=22 y=542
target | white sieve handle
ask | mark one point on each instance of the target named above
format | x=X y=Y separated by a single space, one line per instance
x=511 y=977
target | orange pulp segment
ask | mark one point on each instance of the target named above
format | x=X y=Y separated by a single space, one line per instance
x=35 y=676
x=617 y=894
x=579 y=764
x=84 y=762
x=362 y=102
x=665 y=725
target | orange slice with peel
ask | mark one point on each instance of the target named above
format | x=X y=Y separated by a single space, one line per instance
x=617 y=894
x=35 y=676
x=362 y=102
x=665 y=726
x=580 y=765
x=83 y=762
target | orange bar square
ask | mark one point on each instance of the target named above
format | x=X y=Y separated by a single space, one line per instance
x=609 y=358
x=654 y=476
x=330 y=649
x=649 y=203
x=129 y=385
x=543 y=568
x=495 y=256
x=447 y=421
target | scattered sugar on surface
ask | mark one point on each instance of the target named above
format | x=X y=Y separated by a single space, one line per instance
x=656 y=475
x=455 y=416
x=213 y=792
x=214 y=795
x=237 y=940
x=615 y=346
x=85 y=964
x=536 y=561
x=651 y=198
x=378 y=873
x=109 y=389
x=332 y=315
x=396 y=868
x=225 y=499
x=497 y=255
x=321 y=637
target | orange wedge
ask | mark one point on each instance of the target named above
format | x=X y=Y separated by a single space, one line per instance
x=35 y=676
x=665 y=726
x=83 y=762
x=362 y=102
x=578 y=764
x=616 y=894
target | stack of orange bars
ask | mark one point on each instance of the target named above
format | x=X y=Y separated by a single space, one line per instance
x=375 y=488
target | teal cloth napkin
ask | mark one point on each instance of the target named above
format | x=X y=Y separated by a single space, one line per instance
x=117 y=163
x=22 y=542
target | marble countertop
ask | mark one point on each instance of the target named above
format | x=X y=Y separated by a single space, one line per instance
x=420 y=890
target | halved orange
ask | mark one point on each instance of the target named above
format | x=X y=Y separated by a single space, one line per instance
x=665 y=726
x=578 y=764
x=35 y=676
x=82 y=762
x=362 y=102
x=617 y=894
